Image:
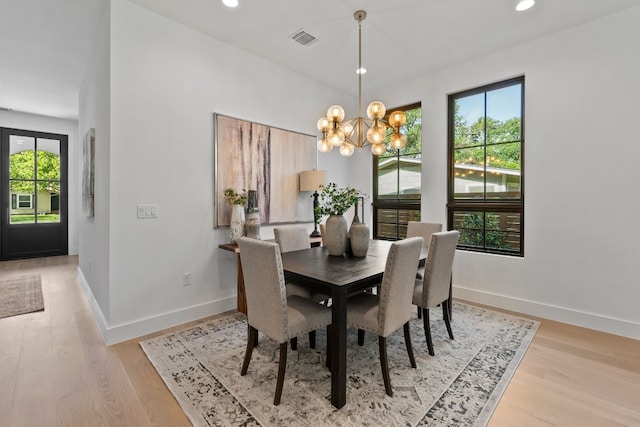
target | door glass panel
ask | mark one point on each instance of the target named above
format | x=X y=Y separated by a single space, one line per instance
x=21 y=157
x=22 y=202
x=48 y=157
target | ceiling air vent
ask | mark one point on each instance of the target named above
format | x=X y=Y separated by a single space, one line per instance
x=304 y=38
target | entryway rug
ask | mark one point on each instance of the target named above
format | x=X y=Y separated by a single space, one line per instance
x=461 y=385
x=20 y=295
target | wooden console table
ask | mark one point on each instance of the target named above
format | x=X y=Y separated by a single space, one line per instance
x=233 y=247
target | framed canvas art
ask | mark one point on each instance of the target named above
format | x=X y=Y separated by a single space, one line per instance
x=88 y=172
x=253 y=156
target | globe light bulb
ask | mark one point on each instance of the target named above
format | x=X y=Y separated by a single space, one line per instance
x=376 y=110
x=335 y=113
x=397 y=119
x=346 y=150
x=324 y=146
x=323 y=124
x=397 y=141
x=336 y=137
x=378 y=149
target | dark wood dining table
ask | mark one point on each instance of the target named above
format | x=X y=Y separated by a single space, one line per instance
x=338 y=277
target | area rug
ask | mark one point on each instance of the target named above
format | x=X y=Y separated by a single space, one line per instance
x=461 y=385
x=20 y=295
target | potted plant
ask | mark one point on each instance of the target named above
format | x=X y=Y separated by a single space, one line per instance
x=334 y=202
x=236 y=201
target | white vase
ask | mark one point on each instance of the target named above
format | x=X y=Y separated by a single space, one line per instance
x=336 y=238
x=236 y=226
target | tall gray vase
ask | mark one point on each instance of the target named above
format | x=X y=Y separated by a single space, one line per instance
x=359 y=234
x=336 y=238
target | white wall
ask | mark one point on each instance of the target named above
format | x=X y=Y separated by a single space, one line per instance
x=165 y=83
x=94 y=105
x=17 y=120
x=581 y=152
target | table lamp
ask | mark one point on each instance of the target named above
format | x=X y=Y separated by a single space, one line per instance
x=311 y=181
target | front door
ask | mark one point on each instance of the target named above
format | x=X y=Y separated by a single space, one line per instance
x=33 y=194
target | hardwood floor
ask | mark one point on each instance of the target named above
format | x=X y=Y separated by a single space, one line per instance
x=56 y=370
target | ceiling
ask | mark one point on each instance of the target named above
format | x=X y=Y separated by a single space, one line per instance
x=46 y=44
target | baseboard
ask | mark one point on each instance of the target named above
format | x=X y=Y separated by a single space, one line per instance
x=95 y=308
x=126 y=331
x=561 y=314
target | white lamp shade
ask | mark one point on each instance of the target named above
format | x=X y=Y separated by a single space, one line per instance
x=312 y=180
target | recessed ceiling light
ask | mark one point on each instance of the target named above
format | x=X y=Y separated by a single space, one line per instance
x=524 y=5
x=230 y=3
x=361 y=71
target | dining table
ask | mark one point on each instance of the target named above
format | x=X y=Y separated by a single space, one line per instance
x=338 y=277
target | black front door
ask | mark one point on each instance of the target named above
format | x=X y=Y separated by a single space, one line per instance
x=33 y=194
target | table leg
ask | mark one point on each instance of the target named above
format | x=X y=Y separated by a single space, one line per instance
x=339 y=348
x=242 y=297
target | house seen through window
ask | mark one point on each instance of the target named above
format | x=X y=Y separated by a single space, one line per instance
x=397 y=181
x=485 y=185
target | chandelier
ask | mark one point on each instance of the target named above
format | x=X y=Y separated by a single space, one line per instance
x=360 y=132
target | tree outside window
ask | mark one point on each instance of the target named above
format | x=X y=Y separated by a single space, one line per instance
x=485 y=183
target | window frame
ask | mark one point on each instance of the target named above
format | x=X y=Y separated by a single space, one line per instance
x=485 y=205
x=398 y=204
x=19 y=196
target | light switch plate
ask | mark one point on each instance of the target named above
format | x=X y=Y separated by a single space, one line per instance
x=147 y=211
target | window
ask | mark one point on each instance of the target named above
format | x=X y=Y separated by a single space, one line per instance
x=25 y=201
x=397 y=181
x=485 y=185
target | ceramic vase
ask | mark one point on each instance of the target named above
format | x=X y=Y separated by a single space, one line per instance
x=359 y=237
x=359 y=234
x=236 y=226
x=336 y=235
x=252 y=225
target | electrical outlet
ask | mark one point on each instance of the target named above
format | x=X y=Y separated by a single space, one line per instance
x=186 y=279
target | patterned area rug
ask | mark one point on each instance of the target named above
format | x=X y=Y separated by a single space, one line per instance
x=20 y=295
x=460 y=386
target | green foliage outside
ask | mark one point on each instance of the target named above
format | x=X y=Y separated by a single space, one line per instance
x=502 y=141
x=22 y=170
x=471 y=231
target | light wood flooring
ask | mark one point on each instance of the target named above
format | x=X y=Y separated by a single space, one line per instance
x=56 y=371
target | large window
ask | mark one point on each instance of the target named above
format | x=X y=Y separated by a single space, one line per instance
x=396 y=181
x=485 y=185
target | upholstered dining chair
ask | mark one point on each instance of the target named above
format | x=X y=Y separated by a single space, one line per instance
x=385 y=313
x=269 y=309
x=434 y=287
x=424 y=230
x=296 y=238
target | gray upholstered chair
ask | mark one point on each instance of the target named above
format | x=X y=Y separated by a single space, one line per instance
x=269 y=309
x=434 y=288
x=391 y=310
x=295 y=238
x=424 y=230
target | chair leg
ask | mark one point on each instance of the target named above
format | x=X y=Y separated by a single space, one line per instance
x=407 y=341
x=251 y=340
x=328 y=356
x=282 y=367
x=384 y=364
x=447 y=315
x=312 y=339
x=360 y=337
x=294 y=343
x=427 y=330
x=419 y=312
